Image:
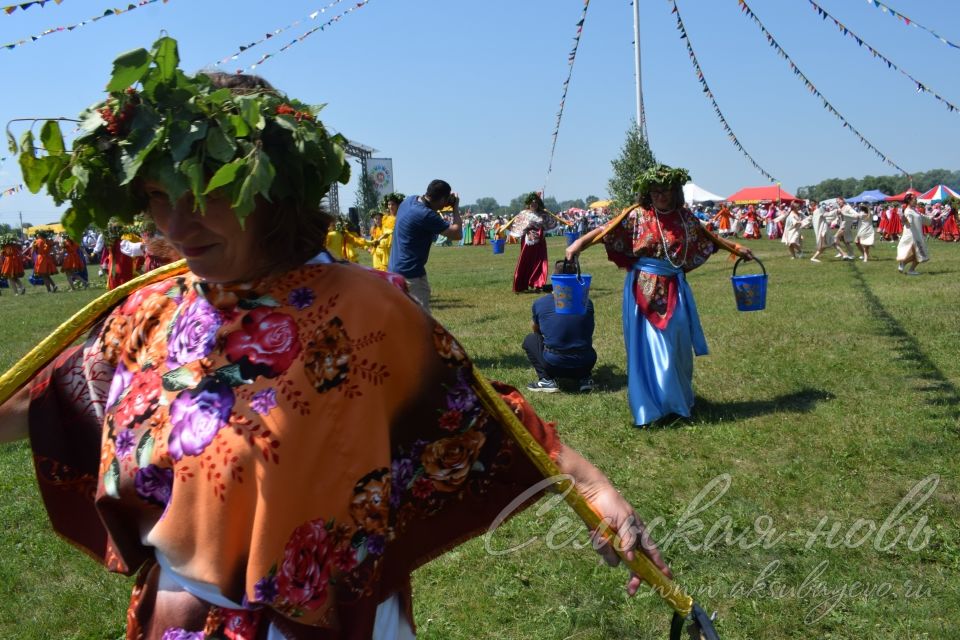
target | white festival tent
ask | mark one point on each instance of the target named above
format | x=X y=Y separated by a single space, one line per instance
x=692 y=194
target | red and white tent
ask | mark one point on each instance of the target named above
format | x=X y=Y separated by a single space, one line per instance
x=940 y=193
x=900 y=196
x=753 y=195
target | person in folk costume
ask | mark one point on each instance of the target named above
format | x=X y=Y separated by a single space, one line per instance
x=44 y=266
x=950 y=231
x=912 y=248
x=479 y=231
x=723 y=221
x=361 y=446
x=381 y=252
x=658 y=241
x=773 y=228
x=845 y=219
x=468 y=222
x=895 y=228
x=928 y=227
x=11 y=263
x=751 y=229
x=73 y=263
x=342 y=243
x=531 y=226
x=118 y=264
x=377 y=239
x=865 y=233
x=792 y=224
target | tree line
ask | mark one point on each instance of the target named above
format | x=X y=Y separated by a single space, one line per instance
x=890 y=185
x=489 y=204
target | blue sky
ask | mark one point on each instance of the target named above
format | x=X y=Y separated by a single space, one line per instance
x=468 y=91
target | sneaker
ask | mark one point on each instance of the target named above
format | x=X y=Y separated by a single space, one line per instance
x=586 y=385
x=544 y=384
x=848 y=257
x=912 y=273
x=900 y=268
x=814 y=260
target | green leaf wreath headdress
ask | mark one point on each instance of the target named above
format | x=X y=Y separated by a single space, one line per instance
x=661 y=175
x=531 y=198
x=158 y=123
x=392 y=197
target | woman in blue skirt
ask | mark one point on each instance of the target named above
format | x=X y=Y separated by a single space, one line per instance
x=658 y=241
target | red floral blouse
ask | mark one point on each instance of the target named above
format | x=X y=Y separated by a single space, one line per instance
x=683 y=241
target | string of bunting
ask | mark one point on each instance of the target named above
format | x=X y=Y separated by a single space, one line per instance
x=813 y=89
x=309 y=33
x=921 y=88
x=106 y=14
x=911 y=23
x=9 y=191
x=571 y=58
x=23 y=6
x=276 y=32
x=706 y=91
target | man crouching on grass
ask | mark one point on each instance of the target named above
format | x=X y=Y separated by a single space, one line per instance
x=561 y=346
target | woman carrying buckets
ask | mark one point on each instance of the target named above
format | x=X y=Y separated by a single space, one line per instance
x=658 y=241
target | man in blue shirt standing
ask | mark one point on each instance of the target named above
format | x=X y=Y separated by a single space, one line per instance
x=418 y=223
x=561 y=345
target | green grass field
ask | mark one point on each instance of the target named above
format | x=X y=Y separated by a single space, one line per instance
x=818 y=416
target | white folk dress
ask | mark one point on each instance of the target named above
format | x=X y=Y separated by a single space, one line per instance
x=912 y=241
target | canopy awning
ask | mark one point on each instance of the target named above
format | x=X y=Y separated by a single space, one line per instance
x=53 y=227
x=753 y=195
x=940 y=193
x=900 y=196
x=868 y=196
x=600 y=204
x=693 y=194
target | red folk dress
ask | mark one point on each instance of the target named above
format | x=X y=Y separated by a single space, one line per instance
x=72 y=262
x=298 y=446
x=12 y=263
x=43 y=263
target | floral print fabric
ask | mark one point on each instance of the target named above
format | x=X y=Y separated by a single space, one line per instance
x=301 y=444
x=683 y=242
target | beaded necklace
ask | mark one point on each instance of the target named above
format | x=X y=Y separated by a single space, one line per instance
x=663 y=239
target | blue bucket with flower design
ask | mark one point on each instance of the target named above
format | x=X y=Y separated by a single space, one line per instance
x=750 y=291
x=498 y=244
x=571 y=237
x=571 y=291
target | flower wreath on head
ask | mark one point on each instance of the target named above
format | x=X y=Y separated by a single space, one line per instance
x=393 y=197
x=661 y=175
x=531 y=198
x=189 y=136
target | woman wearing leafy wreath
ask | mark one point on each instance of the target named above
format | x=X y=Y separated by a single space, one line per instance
x=530 y=227
x=11 y=262
x=658 y=241
x=272 y=440
x=44 y=266
x=384 y=239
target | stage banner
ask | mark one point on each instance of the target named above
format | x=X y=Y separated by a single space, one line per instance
x=381 y=171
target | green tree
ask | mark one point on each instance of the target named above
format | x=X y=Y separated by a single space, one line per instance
x=367 y=198
x=486 y=205
x=635 y=158
x=591 y=199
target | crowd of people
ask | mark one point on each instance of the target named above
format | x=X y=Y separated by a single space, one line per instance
x=838 y=225
x=119 y=252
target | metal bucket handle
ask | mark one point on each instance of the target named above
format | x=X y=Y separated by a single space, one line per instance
x=755 y=259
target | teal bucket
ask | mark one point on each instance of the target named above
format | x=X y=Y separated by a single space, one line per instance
x=571 y=237
x=571 y=293
x=498 y=244
x=750 y=291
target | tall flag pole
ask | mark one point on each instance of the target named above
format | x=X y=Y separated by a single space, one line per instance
x=641 y=114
